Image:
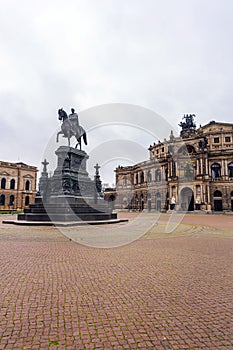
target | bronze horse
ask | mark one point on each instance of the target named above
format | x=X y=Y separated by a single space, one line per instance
x=71 y=128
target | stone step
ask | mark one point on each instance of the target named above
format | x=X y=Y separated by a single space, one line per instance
x=67 y=217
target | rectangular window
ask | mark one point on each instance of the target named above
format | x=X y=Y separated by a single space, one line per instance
x=227 y=139
x=216 y=139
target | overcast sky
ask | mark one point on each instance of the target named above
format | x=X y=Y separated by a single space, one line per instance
x=171 y=57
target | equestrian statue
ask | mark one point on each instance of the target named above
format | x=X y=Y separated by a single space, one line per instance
x=70 y=127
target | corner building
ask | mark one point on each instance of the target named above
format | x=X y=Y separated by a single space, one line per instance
x=192 y=172
x=17 y=185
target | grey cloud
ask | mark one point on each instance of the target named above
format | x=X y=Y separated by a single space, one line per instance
x=172 y=57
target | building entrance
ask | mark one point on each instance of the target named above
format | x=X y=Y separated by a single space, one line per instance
x=217 y=201
x=187 y=199
x=158 y=205
x=217 y=205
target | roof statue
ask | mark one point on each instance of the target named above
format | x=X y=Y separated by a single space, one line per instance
x=189 y=122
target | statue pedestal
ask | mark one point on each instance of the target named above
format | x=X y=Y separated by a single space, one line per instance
x=71 y=177
x=69 y=195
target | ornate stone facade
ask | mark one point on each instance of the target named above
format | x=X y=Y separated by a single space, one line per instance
x=17 y=185
x=191 y=172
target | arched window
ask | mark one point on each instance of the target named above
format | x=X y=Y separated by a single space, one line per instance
x=217 y=193
x=111 y=198
x=27 y=200
x=12 y=199
x=142 y=177
x=27 y=185
x=149 y=177
x=136 y=179
x=173 y=168
x=191 y=149
x=12 y=184
x=230 y=169
x=3 y=183
x=216 y=170
x=166 y=174
x=2 y=199
x=158 y=175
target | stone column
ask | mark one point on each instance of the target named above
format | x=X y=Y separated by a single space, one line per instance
x=174 y=168
x=208 y=198
x=226 y=168
x=162 y=173
x=169 y=167
x=201 y=165
x=222 y=167
x=207 y=166
x=226 y=198
x=204 y=197
x=201 y=193
x=177 y=199
x=210 y=173
x=198 y=167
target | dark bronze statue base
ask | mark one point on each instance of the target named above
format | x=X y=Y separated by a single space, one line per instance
x=69 y=195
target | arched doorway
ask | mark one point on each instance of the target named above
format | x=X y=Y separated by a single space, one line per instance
x=12 y=199
x=2 y=199
x=148 y=201
x=217 y=200
x=142 y=202
x=158 y=201
x=187 y=199
x=111 y=199
x=27 y=200
x=125 y=203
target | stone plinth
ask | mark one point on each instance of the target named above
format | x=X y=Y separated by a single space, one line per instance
x=70 y=194
x=71 y=177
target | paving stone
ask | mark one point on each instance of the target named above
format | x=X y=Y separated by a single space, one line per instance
x=172 y=292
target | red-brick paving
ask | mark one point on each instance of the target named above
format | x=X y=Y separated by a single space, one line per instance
x=161 y=293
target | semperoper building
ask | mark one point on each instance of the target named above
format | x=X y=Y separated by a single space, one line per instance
x=192 y=172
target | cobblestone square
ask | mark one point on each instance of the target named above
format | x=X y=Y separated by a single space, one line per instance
x=163 y=291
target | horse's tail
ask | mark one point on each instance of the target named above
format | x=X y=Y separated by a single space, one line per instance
x=85 y=138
